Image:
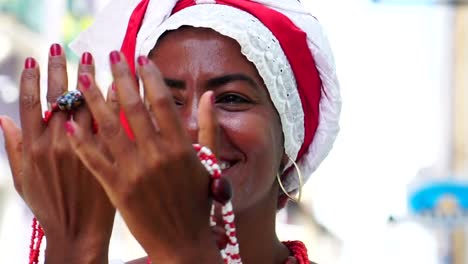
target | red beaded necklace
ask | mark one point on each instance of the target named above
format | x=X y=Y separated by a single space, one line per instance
x=36 y=239
x=297 y=248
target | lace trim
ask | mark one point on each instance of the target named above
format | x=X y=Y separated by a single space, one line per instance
x=330 y=102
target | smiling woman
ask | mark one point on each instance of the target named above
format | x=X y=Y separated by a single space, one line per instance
x=252 y=81
x=250 y=136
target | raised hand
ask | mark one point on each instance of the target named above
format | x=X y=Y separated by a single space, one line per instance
x=155 y=180
x=69 y=203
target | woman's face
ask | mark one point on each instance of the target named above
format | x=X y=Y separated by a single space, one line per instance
x=194 y=60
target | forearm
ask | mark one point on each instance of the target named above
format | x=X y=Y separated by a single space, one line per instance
x=59 y=252
x=200 y=255
x=203 y=252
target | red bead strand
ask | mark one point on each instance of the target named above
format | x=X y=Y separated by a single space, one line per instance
x=33 y=240
x=36 y=240
x=298 y=250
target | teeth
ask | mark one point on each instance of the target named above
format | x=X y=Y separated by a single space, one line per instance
x=225 y=165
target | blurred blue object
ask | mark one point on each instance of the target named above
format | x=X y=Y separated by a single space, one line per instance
x=429 y=196
x=441 y=202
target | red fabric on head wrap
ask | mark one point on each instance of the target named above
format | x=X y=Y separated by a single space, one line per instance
x=129 y=47
x=134 y=24
x=292 y=39
x=182 y=4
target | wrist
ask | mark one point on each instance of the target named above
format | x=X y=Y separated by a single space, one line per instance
x=79 y=251
x=202 y=251
x=208 y=254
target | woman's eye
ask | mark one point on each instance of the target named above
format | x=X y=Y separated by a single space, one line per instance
x=232 y=99
x=177 y=102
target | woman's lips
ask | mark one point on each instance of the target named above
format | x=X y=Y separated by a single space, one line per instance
x=227 y=166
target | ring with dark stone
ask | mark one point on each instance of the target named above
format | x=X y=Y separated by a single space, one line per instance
x=70 y=101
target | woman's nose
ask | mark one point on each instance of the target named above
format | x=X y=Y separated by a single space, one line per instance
x=190 y=122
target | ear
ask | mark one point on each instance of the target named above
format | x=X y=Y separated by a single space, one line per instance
x=284 y=161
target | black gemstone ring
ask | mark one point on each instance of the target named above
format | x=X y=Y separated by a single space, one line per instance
x=70 y=101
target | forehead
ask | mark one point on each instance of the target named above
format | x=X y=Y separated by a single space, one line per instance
x=203 y=48
x=188 y=34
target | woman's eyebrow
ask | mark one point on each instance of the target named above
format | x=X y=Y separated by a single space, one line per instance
x=225 y=79
x=214 y=82
x=172 y=83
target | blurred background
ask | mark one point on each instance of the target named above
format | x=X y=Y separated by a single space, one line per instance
x=402 y=66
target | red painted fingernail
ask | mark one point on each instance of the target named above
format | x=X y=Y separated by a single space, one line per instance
x=69 y=128
x=87 y=58
x=142 y=60
x=113 y=87
x=29 y=63
x=47 y=116
x=114 y=57
x=85 y=81
x=95 y=127
x=55 y=50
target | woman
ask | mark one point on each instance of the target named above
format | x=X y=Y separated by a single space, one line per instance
x=253 y=81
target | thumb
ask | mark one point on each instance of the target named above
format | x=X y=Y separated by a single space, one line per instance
x=208 y=134
x=14 y=148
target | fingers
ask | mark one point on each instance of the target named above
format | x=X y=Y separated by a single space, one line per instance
x=161 y=101
x=108 y=122
x=208 y=133
x=112 y=100
x=82 y=116
x=57 y=74
x=92 y=157
x=87 y=64
x=13 y=145
x=130 y=101
x=57 y=83
x=30 y=104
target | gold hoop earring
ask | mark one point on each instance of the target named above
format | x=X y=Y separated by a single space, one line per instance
x=299 y=174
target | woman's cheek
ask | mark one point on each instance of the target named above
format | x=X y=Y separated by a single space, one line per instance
x=251 y=134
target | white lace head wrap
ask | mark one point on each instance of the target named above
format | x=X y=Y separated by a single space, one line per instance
x=258 y=45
